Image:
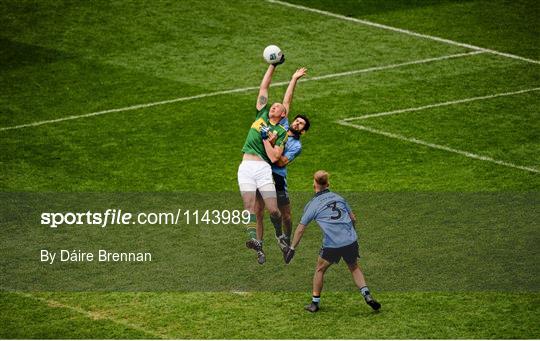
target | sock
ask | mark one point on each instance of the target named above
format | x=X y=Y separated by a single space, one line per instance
x=364 y=291
x=251 y=227
x=316 y=299
x=277 y=225
x=287 y=228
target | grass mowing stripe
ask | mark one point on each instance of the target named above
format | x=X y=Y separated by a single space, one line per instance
x=400 y=30
x=435 y=105
x=437 y=146
x=238 y=90
x=93 y=316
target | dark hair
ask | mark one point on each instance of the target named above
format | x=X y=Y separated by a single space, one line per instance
x=304 y=117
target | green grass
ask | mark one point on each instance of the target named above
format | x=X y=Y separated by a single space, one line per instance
x=268 y=315
x=433 y=235
x=449 y=243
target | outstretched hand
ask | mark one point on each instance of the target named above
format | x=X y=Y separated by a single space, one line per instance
x=299 y=73
x=288 y=254
x=281 y=61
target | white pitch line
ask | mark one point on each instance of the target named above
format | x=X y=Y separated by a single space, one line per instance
x=400 y=30
x=393 y=66
x=437 y=146
x=238 y=90
x=442 y=104
x=93 y=316
x=132 y=107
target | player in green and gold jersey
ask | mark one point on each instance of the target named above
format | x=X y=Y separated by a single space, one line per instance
x=264 y=145
x=262 y=126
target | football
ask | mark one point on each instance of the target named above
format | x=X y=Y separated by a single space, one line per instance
x=272 y=54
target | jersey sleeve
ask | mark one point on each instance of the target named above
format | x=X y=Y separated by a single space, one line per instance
x=310 y=212
x=292 y=152
x=285 y=123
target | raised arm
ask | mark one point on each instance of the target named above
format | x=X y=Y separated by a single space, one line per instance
x=287 y=99
x=262 y=99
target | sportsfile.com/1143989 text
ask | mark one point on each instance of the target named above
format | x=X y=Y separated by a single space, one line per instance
x=119 y=217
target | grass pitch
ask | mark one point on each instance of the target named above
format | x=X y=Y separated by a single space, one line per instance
x=64 y=58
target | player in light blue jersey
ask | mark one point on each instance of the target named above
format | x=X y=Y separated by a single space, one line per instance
x=293 y=148
x=337 y=222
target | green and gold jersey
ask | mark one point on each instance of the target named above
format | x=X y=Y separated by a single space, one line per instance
x=254 y=144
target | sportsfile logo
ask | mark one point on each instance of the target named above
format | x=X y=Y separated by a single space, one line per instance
x=118 y=217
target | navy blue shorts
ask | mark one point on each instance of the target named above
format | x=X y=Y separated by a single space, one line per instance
x=349 y=253
x=281 y=190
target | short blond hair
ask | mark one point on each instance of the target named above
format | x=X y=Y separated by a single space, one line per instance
x=321 y=178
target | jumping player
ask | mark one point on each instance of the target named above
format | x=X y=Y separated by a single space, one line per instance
x=254 y=172
x=293 y=148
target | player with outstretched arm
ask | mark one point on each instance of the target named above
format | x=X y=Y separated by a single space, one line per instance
x=337 y=222
x=293 y=148
x=259 y=151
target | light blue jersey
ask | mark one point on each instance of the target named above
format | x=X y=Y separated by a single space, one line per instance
x=331 y=212
x=284 y=123
x=293 y=148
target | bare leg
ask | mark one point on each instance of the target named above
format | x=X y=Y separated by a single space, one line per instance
x=259 y=211
x=271 y=205
x=275 y=215
x=255 y=241
x=360 y=282
x=358 y=276
x=318 y=277
x=286 y=219
x=249 y=198
x=249 y=201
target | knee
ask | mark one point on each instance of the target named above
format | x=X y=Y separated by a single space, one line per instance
x=353 y=267
x=275 y=214
x=321 y=269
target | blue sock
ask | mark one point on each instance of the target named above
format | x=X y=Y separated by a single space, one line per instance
x=316 y=299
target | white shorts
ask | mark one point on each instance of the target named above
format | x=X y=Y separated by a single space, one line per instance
x=256 y=175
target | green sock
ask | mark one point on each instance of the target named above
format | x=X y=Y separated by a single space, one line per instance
x=251 y=227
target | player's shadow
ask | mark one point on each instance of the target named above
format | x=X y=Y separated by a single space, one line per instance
x=366 y=312
x=353 y=311
x=15 y=54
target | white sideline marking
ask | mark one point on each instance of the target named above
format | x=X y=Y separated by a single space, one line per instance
x=400 y=30
x=438 y=146
x=230 y=91
x=429 y=106
x=93 y=316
